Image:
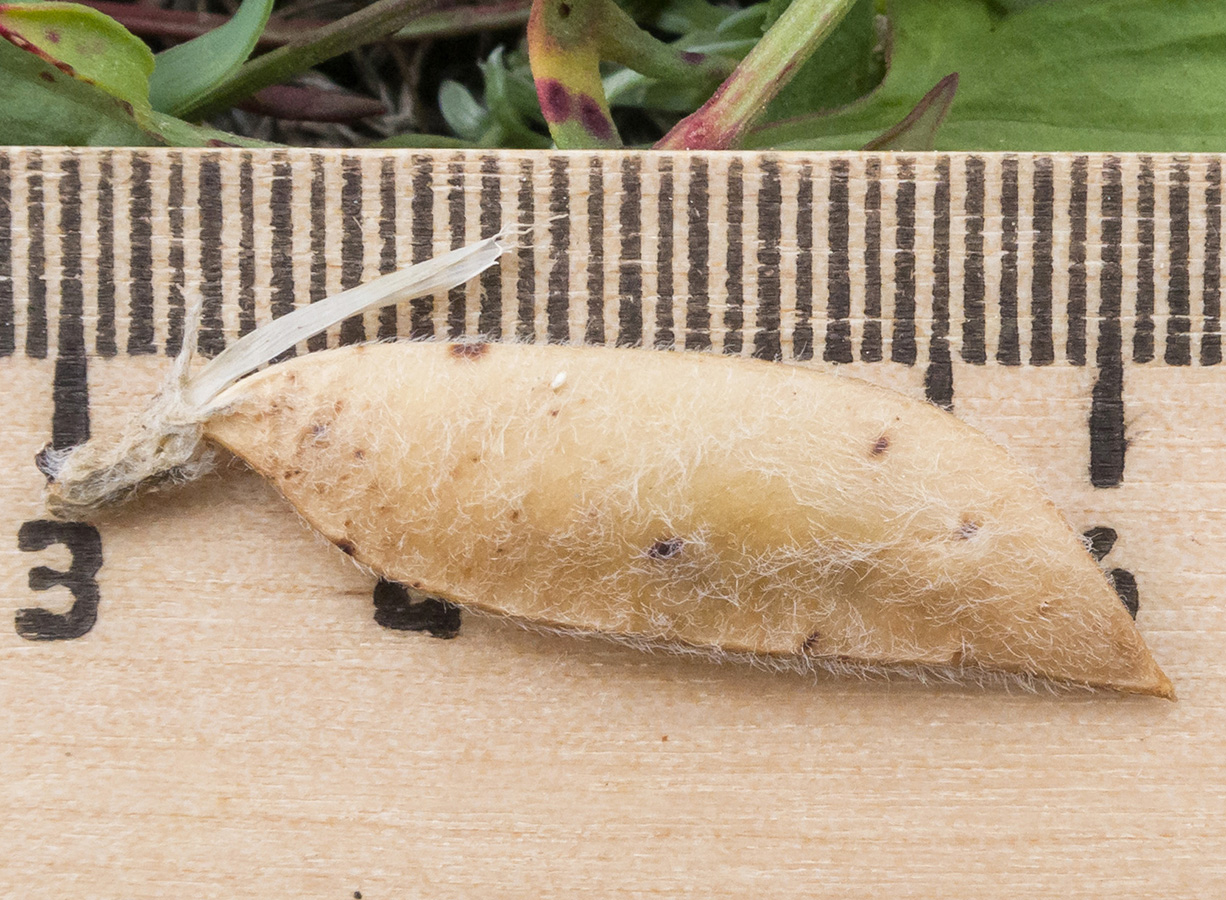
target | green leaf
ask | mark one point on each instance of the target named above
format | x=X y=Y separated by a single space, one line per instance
x=461 y=111
x=918 y=131
x=511 y=96
x=42 y=105
x=685 y=16
x=81 y=43
x=71 y=76
x=1095 y=75
x=187 y=72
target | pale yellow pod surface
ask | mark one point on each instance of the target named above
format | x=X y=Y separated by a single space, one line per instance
x=685 y=498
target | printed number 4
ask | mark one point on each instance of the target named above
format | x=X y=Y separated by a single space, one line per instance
x=85 y=545
x=1102 y=540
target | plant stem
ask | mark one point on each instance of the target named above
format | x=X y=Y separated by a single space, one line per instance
x=181 y=25
x=622 y=41
x=379 y=20
x=720 y=122
x=461 y=20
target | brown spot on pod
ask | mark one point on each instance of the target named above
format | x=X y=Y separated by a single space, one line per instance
x=811 y=642
x=346 y=547
x=471 y=350
x=666 y=548
x=359 y=454
x=47 y=76
x=967 y=530
x=881 y=445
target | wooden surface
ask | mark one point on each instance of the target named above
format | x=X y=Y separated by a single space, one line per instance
x=234 y=723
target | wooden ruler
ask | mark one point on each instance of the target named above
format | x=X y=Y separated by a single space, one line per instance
x=200 y=698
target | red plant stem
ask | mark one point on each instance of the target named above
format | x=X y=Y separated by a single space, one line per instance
x=719 y=123
x=149 y=21
x=181 y=25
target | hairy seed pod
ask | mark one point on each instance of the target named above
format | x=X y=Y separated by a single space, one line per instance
x=687 y=499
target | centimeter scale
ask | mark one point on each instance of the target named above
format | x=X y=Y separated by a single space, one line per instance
x=196 y=692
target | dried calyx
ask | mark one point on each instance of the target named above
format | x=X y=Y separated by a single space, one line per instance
x=164 y=443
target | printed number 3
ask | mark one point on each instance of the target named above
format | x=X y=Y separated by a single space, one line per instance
x=85 y=545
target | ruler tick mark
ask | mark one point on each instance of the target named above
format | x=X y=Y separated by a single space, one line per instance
x=630 y=275
x=489 y=323
x=8 y=323
x=246 y=246
x=734 y=261
x=594 y=331
x=1042 y=344
x=178 y=274
x=36 y=299
x=388 y=318
x=1179 y=291
x=212 y=213
x=870 y=343
x=697 y=310
x=70 y=390
x=802 y=337
x=770 y=211
x=318 y=286
x=1211 y=338
x=1107 y=440
x=104 y=327
x=902 y=345
x=666 y=335
x=1075 y=344
x=973 y=284
x=838 y=267
x=557 y=304
x=281 y=249
x=353 y=247
x=525 y=284
x=1143 y=334
x=421 y=309
x=1008 y=351
x=939 y=377
x=457 y=220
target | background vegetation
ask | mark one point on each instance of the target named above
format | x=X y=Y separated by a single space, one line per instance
x=796 y=74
